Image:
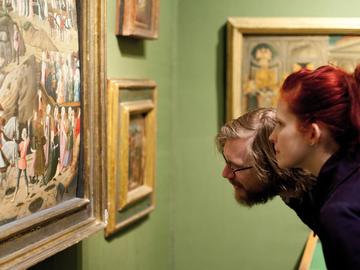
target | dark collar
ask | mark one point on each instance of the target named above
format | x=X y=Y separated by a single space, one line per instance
x=337 y=169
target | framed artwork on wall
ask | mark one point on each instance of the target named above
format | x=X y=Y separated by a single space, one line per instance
x=131 y=132
x=137 y=18
x=312 y=257
x=261 y=52
x=50 y=169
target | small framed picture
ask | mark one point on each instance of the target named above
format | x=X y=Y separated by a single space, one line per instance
x=131 y=151
x=137 y=18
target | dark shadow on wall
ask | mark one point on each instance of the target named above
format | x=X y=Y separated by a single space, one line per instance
x=297 y=263
x=69 y=259
x=131 y=47
x=132 y=227
x=221 y=76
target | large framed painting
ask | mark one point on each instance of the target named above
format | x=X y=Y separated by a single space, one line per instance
x=261 y=52
x=137 y=18
x=131 y=148
x=51 y=76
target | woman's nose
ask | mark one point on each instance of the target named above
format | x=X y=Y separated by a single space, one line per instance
x=272 y=137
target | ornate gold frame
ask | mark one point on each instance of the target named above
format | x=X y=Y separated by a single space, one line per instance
x=237 y=27
x=125 y=98
x=29 y=240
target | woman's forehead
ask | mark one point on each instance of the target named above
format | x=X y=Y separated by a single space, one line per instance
x=283 y=113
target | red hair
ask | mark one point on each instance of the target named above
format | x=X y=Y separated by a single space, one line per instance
x=328 y=96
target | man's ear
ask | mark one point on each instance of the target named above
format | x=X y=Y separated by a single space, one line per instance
x=314 y=134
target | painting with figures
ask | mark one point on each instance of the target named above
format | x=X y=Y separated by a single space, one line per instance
x=137 y=139
x=268 y=60
x=39 y=105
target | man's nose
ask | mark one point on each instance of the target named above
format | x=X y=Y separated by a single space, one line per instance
x=227 y=173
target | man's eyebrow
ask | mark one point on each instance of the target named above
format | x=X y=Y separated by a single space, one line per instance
x=230 y=162
x=226 y=160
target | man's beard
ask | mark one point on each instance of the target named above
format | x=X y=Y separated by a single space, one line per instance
x=258 y=197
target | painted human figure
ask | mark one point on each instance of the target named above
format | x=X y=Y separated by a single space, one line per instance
x=14 y=4
x=4 y=2
x=54 y=153
x=16 y=44
x=40 y=6
x=40 y=102
x=70 y=138
x=70 y=81
x=20 y=7
x=63 y=137
x=65 y=77
x=47 y=127
x=264 y=74
x=43 y=68
x=60 y=83
x=4 y=161
x=39 y=142
x=77 y=124
x=31 y=135
x=53 y=4
x=46 y=8
x=30 y=9
x=77 y=85
x=70 y=87
x=22 y=163
x=26 y=8
x=51 y=83
x=251 y=94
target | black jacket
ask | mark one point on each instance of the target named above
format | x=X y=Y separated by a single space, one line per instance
x=332 y=210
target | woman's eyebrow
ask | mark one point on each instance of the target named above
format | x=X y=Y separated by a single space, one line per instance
x=278 y=120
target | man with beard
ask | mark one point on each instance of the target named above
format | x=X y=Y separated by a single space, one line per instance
x=250 y=164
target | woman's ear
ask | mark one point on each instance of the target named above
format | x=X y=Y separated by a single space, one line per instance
x=314 y=134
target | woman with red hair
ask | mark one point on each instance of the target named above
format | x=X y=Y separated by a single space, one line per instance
x=318 y=129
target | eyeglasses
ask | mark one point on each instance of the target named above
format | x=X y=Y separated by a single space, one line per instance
x=234 y=170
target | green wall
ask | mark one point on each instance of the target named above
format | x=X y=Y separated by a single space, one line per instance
x=211 y=231
x=197 y=224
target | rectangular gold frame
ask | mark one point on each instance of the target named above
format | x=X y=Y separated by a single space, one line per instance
x=31 y=239
x=127 y=23
x=121 y=200
x=237 y=27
